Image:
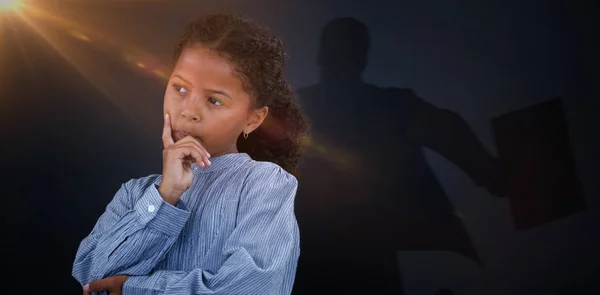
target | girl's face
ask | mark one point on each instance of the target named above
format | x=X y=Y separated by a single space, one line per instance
x=206 y=100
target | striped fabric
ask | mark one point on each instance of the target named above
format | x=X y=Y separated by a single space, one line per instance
x=232 y=232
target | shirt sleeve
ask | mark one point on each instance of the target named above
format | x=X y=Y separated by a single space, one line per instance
x=261 y=254
x=131 y=236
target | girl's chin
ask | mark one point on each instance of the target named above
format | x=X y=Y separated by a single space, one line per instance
x=177 y=138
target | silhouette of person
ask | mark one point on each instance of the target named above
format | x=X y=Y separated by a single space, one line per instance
x=367 y=190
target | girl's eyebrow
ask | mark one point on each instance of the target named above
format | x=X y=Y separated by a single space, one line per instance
x=184 y=80
x=219 y=92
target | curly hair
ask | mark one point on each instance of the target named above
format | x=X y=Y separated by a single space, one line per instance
x=259 y=60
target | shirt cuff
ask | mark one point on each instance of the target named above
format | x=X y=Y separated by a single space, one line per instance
x=154 y=212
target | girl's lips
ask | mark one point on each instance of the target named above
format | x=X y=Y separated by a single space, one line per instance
x=178 y=135
x=181 y=134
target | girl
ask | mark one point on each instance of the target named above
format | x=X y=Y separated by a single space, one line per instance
x=220 y=219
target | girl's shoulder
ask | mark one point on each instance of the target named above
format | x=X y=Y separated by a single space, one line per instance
x=265 y=172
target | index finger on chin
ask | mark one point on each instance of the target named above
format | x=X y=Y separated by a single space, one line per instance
x=167 y=136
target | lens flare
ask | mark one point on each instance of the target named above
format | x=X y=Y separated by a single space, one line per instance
x=10 y=5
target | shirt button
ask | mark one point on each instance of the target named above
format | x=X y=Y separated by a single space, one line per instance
x=151 y=208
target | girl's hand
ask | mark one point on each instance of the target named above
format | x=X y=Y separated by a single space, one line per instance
x=114 y=285
x=177 y=173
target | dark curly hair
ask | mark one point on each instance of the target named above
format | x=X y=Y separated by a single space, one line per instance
x=259 y=60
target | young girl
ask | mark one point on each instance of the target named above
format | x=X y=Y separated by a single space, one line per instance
x=220 y=219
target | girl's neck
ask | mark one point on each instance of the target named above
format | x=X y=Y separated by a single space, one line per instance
x=232 y=150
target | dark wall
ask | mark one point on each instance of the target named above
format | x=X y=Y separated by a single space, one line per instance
x=79 y=118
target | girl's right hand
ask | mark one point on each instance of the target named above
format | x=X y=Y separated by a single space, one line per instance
x=177 y=173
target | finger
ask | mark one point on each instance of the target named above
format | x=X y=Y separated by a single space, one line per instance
x=86 y=290
x=201 y=160
x=205 y=162
x=99 y=285
x=192 y=139
x=167 y=136
x=186 y=150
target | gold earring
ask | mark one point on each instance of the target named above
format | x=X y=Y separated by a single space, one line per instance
x=245 y=135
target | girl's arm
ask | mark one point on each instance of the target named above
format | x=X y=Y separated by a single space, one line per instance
x=260 y=256
x=132 y=235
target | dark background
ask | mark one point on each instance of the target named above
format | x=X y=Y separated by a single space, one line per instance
x=79 y=117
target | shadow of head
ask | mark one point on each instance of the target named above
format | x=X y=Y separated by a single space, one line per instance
x=344 y=47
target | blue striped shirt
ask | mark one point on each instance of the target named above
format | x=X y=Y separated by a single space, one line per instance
x=232 y=232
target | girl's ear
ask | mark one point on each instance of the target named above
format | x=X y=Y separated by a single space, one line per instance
x=256 y=118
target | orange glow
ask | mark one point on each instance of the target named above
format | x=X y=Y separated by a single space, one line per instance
x=79 y=35
x=10 y=5
x=161 y=74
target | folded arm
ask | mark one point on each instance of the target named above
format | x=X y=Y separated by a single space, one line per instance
x=131 y=236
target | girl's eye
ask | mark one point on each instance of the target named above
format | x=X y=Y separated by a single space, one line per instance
x=180 y=88
x=214 y=101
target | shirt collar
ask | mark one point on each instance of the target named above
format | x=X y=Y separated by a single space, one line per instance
x=222 y=162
